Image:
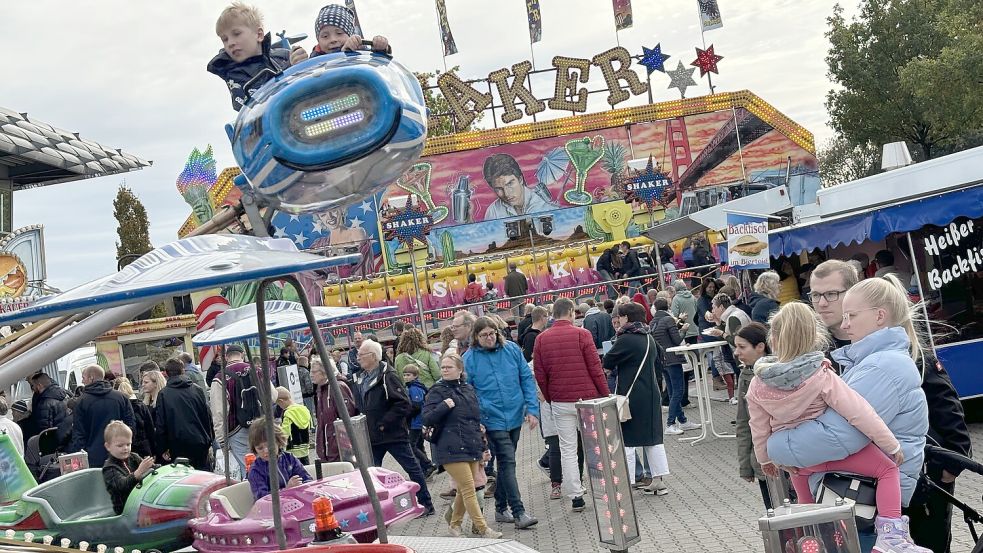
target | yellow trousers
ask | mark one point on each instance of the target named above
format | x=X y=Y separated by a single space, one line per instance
x=466 y=498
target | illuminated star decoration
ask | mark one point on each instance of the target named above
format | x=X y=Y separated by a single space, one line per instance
x=682 y=78
x=363 y=517
x=653 y=59
x=706 y=60
x=648 y=186
x=412 y=222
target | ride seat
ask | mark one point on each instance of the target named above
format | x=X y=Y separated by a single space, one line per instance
x=237 y=499
x=79 y=495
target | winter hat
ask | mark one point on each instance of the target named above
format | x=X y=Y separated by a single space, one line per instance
x=337 y=15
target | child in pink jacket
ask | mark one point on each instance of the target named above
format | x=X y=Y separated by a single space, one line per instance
x=798 y=384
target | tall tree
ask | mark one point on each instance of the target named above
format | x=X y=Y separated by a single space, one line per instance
x=842 y=161
x=440 y=122
x=895 y=62
x=134 y=226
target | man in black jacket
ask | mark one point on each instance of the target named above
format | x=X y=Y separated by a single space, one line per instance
x=183 y=420
x=665 y=330
x=630 y=266
x=386 y=405
x=516 y=285
x=100 y=405
x=528 y=338
x=598 y=322
x=47 y=406
x=606 y=270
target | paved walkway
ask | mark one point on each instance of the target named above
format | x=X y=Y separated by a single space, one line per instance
x=709 y=508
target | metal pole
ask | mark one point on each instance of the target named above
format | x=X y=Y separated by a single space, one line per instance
x=921 y=292
x=416 y=288
x=225 y=417
x=740 y=149
x=658 y=264
x=380 y=519
x=263 y=385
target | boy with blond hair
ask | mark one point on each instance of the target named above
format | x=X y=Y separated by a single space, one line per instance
x=123 y=469
x=297 y=425
x=246 y=51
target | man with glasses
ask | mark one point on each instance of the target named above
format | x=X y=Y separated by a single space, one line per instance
x=461 y=326
x=930 y=521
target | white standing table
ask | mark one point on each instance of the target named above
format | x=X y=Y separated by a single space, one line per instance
x=696 y=357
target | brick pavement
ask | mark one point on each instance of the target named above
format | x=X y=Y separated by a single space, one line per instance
x=709 y=508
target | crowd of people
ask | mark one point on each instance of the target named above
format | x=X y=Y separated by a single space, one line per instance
x=839 y=382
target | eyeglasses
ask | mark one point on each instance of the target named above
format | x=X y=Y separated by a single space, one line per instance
x=830 y=296
x=847 y=315
x=487 y=334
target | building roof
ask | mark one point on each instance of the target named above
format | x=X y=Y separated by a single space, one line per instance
x=37 y=154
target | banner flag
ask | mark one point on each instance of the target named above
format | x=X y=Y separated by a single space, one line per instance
x=710 y=15
x=747 y=241
x=622 y=14
x=350 y=4
x=446 y=37
x=535 y=21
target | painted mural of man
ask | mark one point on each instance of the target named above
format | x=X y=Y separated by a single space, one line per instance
x=503 y=175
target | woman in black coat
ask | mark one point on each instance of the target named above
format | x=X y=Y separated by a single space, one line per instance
x=626 y=361
x=451 y=409
x=143 y=421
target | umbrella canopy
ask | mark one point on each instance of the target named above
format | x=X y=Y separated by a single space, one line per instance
x=553 y=166
x=188 y=265
x=281 y=316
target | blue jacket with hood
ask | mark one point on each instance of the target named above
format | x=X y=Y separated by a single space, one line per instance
x=881 y=370
x=504 y=384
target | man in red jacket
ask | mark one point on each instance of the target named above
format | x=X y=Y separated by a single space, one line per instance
x=568 y=370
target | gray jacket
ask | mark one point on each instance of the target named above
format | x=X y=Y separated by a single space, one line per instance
x=684 y=303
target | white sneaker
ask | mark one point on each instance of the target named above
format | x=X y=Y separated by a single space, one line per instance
x=689 y=425
x=673 y=430
x=733 y=400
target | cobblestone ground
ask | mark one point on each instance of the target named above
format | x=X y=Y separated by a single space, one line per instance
x=708 y=509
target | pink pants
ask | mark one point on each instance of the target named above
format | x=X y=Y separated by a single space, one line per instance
x=869 y=461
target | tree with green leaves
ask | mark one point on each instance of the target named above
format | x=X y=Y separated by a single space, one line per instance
x=440 y=122
x=842 y=161
x=908 y=70
x=134 y=226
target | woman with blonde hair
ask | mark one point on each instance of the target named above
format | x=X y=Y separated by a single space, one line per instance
x=413 y=350
x=151 y=384
x=451 y=408
x=764 y=300
x=880 y=365
x=143 y=420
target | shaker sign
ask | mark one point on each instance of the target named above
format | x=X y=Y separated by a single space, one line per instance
x=969 y=261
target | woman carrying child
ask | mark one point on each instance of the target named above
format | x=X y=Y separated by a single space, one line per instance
x=798 y=384
x=451 y=409
x=290 y=471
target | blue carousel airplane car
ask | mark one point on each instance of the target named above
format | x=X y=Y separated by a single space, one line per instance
x=329 y=131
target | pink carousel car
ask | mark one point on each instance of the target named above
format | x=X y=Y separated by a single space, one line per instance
x=236 y=520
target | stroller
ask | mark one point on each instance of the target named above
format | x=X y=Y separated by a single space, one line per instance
x=971 y=516
x=41 y=454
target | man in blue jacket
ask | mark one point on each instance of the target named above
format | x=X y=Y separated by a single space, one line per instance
x=494 y=366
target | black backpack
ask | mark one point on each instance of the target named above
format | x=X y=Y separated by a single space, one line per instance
x=246 y=406
x=306 y=385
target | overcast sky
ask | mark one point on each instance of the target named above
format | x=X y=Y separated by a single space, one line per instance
x=131 y=74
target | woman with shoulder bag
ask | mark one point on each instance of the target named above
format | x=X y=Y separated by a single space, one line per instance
x=451 y=409
x=635 y=360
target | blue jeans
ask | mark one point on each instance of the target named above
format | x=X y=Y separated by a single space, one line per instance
x=611 y=291
x=503 y=444
x=403 y=454
x=676 y=385
x=239 y=447
x=642 y=468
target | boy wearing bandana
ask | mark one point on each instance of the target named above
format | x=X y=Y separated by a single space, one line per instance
x=334 y=29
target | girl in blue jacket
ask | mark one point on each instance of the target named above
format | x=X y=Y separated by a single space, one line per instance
x=290 y=471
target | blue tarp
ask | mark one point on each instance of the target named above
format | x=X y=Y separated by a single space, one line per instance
x=877 y=224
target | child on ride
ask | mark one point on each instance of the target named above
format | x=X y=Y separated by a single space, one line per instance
x=246 y=51
x=123 y=469
x=334 y=29
x=798 y=384
x=289 y=470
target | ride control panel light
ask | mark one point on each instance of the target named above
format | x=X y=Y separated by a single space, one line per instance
x=327 y=108
x=335 y=123
x=810 y=544
x=250 y=459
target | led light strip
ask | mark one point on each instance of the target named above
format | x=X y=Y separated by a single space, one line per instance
x=329 y=125
x=340 y=104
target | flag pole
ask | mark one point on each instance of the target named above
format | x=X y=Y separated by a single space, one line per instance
x=440 y=36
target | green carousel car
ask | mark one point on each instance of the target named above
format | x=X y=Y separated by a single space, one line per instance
x=76 y=505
